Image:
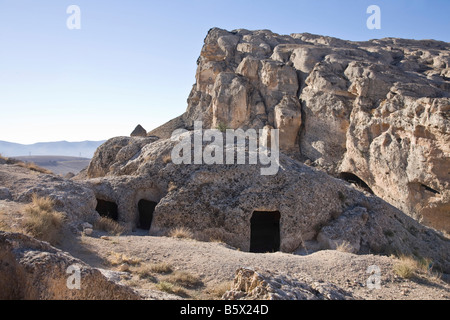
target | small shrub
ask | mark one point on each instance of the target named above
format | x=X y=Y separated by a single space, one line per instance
x=222 y=127
x=42 y=221
x=109 y=225
x=181 y=233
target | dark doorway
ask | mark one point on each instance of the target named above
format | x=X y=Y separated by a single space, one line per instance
x=107 y=209
x=265 y=232
x=354 y=179
x=146 y=209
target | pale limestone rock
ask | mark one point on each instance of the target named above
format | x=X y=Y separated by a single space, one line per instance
x=252 y=284
x=230 y=103
x=288 y=119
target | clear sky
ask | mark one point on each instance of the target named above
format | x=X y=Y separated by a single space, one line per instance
x=133 y=62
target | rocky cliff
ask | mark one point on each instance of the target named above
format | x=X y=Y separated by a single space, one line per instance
x=376 y=112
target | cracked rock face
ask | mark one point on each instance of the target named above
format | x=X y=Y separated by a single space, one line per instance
x=378 y=109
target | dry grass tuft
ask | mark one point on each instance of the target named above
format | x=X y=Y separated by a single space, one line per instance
x=28 y=165
x=116 y=259
x=185 y=279
x=406 y=267
x=42 y=221
x=161 y=268
x=345 y=246
x=409 y=267
x=144 y=272
x=181 y=233
x=171 y=187
x=33 y=167
x=172 y=289
x=167 y=158
x=219 y=290
x=109 y=225
x=4 y=226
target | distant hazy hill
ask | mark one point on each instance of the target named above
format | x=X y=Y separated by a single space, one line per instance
x=85 y=149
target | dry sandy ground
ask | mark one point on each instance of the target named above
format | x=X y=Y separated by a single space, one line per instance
x=216 y=263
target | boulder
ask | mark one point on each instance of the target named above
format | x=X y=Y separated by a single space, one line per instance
x=33 y=270
x=263 y=285
x=5 y=194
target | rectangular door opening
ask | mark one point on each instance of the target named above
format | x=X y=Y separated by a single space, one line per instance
x=265 y=232
x=146 y=209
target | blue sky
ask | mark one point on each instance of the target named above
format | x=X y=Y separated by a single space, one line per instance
x=133 y=62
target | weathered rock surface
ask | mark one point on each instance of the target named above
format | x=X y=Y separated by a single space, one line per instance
x=218 y=201
x=33 y=270
x=261 y=285
x=5 y=194
x=139 y=131
x=378 y=109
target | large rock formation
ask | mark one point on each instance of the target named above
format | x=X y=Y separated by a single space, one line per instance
x=376 y=111
x=343 y=107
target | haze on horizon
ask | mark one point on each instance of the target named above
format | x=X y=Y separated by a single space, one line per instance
x=134 y=62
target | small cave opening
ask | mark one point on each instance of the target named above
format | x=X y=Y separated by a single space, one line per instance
x=354 y=179
x=107 y=209
x=429 y=189
x=265 y=231
x=146 y=209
